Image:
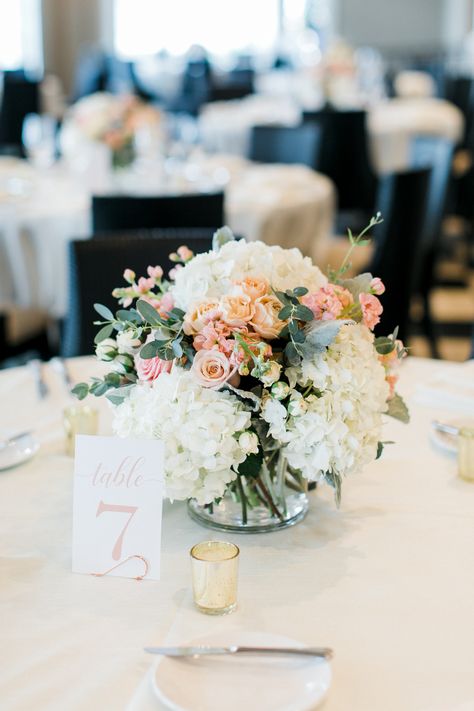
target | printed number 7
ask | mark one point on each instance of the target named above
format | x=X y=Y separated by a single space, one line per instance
x=117 y=508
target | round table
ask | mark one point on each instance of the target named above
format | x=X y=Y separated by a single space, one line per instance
x=226 y=126
x=386 y=580
x=41 y=211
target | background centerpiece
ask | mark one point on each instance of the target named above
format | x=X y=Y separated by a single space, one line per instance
x=259 y=373
x=111 y=120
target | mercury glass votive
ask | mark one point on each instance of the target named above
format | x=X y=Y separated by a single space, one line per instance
x=215 y=566
x=79 y=419
x=466 y=453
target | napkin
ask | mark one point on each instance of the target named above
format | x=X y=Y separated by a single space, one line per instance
x=450 y=389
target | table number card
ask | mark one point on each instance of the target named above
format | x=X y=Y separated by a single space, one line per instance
x=118 y=495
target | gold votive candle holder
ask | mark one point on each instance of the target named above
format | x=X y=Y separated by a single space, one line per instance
x=466 y=453
x=79 y=419
x=215 y=567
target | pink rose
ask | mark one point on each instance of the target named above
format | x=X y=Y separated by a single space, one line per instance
x=328 y=302
x=371 y=310
x=151 y=368
x=212 y=369
x=377 y=286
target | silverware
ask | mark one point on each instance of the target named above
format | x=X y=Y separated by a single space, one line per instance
x=36 y=368
x=5 y=442
x=324 y=652
x=59 y=365
x=447 y=429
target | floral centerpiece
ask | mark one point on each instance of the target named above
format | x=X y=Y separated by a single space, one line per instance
x=109 y=119
x=259 y=373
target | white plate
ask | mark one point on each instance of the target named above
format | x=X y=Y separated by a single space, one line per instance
x=18 y=452
x=446 y=442
x=242 y=683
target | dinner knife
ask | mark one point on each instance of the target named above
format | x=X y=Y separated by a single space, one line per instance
x=447 y=429
x=35 y=366
x=201 y=651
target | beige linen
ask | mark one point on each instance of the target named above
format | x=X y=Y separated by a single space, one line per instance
x=387 y=580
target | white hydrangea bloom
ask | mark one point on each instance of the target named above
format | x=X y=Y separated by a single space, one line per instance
x=212 y=274
x=340 y=430
x=197 y=426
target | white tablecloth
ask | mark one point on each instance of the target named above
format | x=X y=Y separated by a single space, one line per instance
x=226 y=126
x=387 y=580
x=288 y=205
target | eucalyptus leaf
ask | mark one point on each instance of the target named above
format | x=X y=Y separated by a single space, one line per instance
x=104 y=312
x=320 y=335
x=334 y=480
x=398 y=409
x=104 y=333
x=358 y=285
x=178 y=313
x=384 y=345
x=380 y=446
x=99 y=388
x=292 y=354
x=81 y=390
x=285 y=313
x=131 y=316
x=149 y=314
x=150 y=350
x=177 y=349
x=281 y=296
x=300 y=291
x=302 y=313
x=113 y=379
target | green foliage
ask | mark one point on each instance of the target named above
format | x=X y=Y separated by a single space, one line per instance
x=149 y=314
x=104 y=312
x=251 y=466
x=319 y=335
x=335 y=480
x=398 y=409
x=384 y=345
x=81 y=390
x=105 y=332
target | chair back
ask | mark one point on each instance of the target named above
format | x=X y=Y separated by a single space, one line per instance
x=96 y=267
x=344 y=156
x=90 y=73
x=403 y=198
x=459 y=90
x=20 y=98
x=285 y=144
x=118 y=213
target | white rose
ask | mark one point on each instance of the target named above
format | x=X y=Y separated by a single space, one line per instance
x=123 y=363
x=248 y=442
x=127 y=342
x=272 y=373
x=280 y=390
x=106 y=349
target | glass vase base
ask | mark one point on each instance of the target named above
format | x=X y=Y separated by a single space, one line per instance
x=227 y=515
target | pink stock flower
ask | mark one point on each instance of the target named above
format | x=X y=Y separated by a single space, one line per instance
x=166 y=304
x=377 y=286
x=212 y=369
x=184 y=253
x=371 y=310
x=155 y=272
x=392 y=379
x=149 y=369
x=145 y=285
x=129 y=275
x=328 y=302
x=213 y=336
x=173 y=272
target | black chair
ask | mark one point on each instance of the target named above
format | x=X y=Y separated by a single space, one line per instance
x=119 y=77
x=96 y=267
x=20 y=98
x=437 y=154
x=459 y=90
x=344 y=157
x=116 y=213
x=285 y=144
x=403 y=199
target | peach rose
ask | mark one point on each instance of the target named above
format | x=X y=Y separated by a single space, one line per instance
x=265 y=321
x=200 y=314
x=252 y=287
x=151 y=368
x=238 y=310
x=212 y=369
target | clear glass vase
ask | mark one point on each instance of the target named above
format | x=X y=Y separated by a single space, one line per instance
x=274 y=499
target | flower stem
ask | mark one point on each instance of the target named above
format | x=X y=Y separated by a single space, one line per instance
x=243 y=500
x=269 y=500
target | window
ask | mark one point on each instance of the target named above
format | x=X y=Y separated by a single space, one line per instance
x=144 y=27
x=20 y=34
